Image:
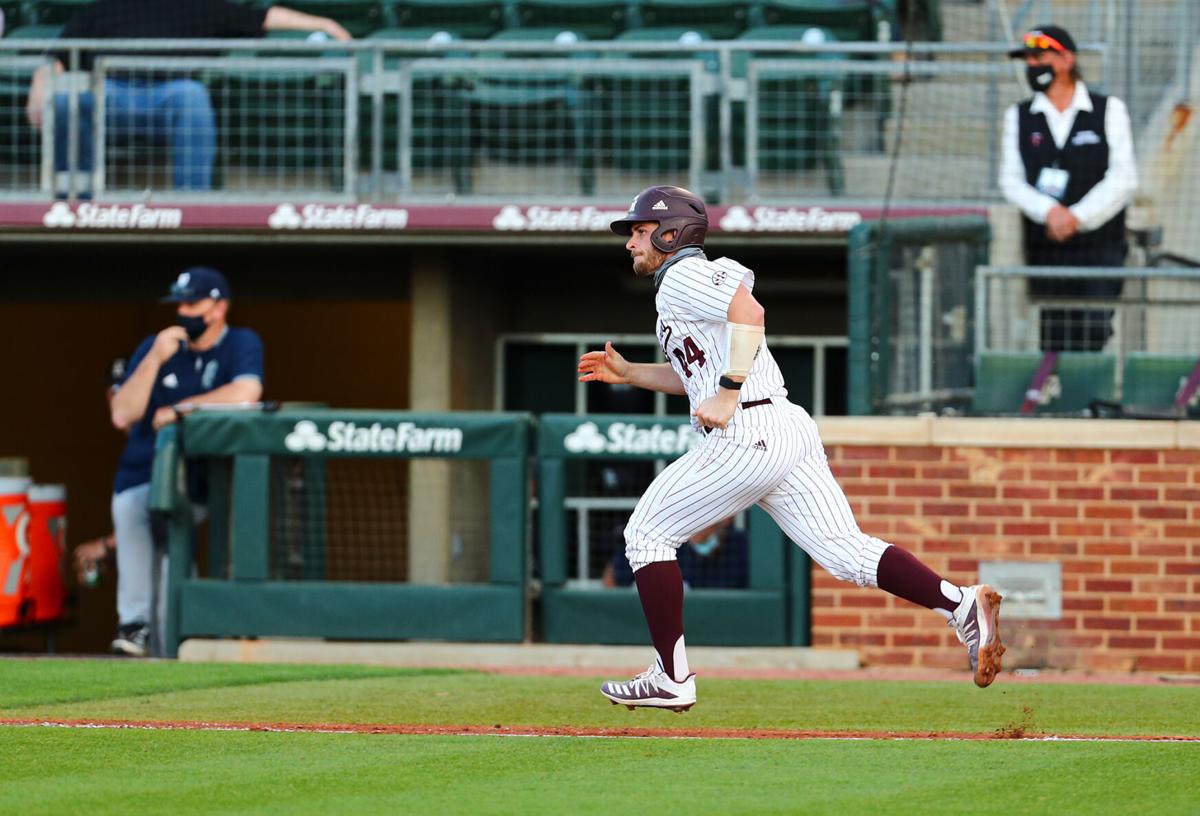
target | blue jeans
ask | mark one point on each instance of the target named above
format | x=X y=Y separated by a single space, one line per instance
x=177 y=111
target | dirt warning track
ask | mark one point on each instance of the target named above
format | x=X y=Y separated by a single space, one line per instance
x=587 y=732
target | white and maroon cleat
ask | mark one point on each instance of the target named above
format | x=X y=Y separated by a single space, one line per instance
x=977 y=624
x=652 y=689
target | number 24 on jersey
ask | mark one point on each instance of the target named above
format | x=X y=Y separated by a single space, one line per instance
x=690 y=354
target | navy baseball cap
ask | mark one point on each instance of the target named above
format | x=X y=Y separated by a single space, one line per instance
x=197 y=283
x=1044 y=38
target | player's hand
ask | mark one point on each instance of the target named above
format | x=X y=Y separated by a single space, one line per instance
x=1061 y=223
x=167 y=343
x=164 y=416
x=604 y=366
x=717 y=410
x=90 y=556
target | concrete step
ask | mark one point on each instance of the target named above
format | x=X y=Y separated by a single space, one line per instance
x=506 y=655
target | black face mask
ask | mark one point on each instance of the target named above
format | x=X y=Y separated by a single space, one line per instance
x=194 y=326
x=1039 y=77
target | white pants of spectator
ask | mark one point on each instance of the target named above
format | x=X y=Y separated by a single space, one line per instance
x=135 y=557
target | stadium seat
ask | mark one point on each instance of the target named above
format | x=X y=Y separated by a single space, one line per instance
x=595 y=19
x=647 y=119
x=34 y=32
x=359 y=17
x=283 y=121
x=14 y=13
x=722 y=19
x=440 y=118
x=1153 y=380
x=52 y=12
x=407 y=35
x=926 y=18
x=466 y=18
x=847 y=20
x=1079 y=378
x=534 y=117
x=799 y=116
x=668 y=36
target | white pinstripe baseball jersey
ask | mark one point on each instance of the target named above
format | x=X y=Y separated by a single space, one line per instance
x=770 y=454
x=693 y=306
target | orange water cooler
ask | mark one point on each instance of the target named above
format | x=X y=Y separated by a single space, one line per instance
x=47 y=550
x=16 y=605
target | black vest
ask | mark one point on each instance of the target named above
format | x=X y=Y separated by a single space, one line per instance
x=1086 y=159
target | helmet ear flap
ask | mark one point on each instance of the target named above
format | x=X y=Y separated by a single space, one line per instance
x=659 y=240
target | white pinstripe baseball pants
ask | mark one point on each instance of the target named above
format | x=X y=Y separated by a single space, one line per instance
x=730 y=471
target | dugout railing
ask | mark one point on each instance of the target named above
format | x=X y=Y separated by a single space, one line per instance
x=276 y=512
x=773 y=610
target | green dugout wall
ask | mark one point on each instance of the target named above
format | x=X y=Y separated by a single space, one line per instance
x=773 y=611
x=245 y=600
x=244 y=596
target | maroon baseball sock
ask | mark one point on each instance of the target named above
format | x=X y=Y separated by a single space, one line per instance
x=660 y=586
x=900 y=573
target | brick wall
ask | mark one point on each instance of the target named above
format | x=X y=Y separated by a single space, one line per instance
x=1116 y=503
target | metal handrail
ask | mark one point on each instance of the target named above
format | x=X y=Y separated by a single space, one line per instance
x=981 y=49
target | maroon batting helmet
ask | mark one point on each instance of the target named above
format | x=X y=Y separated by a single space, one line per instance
x=673 y=208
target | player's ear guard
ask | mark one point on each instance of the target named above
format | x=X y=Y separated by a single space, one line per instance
x=744 y=342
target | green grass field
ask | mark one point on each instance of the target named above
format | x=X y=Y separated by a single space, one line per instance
x=77 y=770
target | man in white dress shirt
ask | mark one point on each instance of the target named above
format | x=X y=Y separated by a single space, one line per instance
x=1068 y=165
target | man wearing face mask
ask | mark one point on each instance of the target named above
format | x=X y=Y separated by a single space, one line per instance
x=1068 y=165
x=715 y=558
x=200 y=360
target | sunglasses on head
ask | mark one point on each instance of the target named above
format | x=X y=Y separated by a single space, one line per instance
x=1038 y=40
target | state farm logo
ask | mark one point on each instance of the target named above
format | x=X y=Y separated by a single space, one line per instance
x=623 y=437
x=340 y=216
x=792 y=219
x=554 y=219
x=112 y=216
x=403 y=437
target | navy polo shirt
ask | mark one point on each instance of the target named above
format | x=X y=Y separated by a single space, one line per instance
x=236 y=355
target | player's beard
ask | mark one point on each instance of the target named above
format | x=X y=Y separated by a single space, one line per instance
x=648 y=262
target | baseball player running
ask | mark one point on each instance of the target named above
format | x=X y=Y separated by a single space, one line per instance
x=757 y=448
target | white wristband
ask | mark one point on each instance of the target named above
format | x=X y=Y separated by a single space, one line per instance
x=744 y=343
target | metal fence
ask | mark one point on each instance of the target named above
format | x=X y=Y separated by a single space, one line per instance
x=441 y=120
x=911 y=312
x=1153 y=310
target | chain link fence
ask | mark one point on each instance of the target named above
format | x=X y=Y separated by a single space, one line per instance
x=1129 y=336
x=768 y=118
x=351 y=520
